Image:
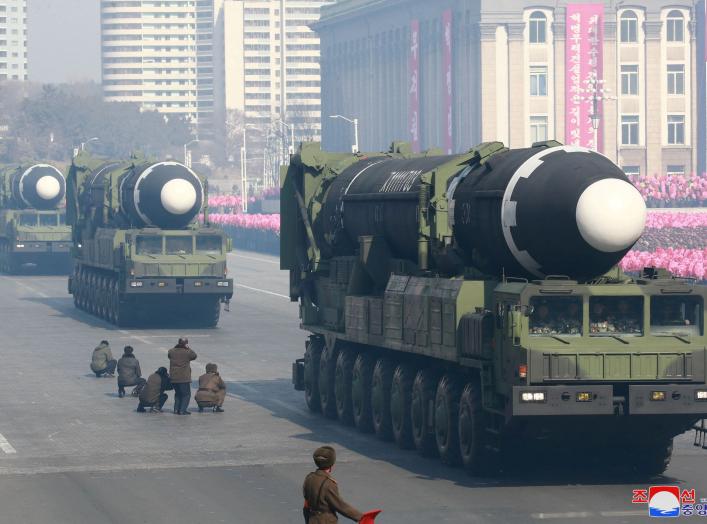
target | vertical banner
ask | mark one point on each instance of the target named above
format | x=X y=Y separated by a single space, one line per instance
x=414 y=87
x=447 y=64
x=583 y=54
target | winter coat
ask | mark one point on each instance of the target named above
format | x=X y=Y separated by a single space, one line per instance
x=128 y=370
x=156 y=385
x=101 y=356
x=321 y=494
x=210 y=387
x=179 y=368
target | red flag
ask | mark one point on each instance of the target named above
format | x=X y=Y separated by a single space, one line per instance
x=370 y=516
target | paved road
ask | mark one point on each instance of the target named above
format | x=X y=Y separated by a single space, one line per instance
x=72 y=452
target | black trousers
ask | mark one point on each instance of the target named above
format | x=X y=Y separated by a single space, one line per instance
x=163 y=398
x=140 y=382
x=110 y=368
x=182 y=395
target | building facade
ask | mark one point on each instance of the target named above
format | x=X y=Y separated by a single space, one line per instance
x=13 y=40
x=455 y=73
x=159 y=54
x=271 y=63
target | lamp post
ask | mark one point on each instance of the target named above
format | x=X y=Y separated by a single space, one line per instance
x=244 y=169
x=187 y=156
x=291 y=127
x=353 y=121
x=83 y=144
x=595 y=93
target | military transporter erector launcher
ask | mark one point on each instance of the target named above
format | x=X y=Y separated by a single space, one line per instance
x=140 y=252
x=33 y=230
x=459 y=303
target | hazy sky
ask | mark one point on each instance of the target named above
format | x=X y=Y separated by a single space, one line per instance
x=64 y=40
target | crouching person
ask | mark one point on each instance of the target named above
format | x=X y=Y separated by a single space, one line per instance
x=102 y=361
x=129 y=373
x=153 y=395
x=212 y=390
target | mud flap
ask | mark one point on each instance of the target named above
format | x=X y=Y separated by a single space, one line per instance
x=700 y=434
x=298 y=374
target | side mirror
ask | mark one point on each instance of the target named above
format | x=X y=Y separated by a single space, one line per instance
x=527 y=310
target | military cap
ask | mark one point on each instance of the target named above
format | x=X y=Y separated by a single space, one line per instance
x=211 y=368
x=324 y=457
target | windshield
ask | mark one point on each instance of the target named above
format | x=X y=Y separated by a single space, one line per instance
x=616 y=315
x=28 y=219
x=47 y=220
x=179 y=245
x=148 y=245
x=208 y=244
x=556 y=316
x=677 y=315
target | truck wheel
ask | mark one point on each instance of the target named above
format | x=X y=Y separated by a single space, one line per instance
x=124 y=316
x=343 y=375
x=473 y=440
x=446 y=420
x=327 y=363
x=421 y=412
x=400 y=398
x=361 y=378
x=312 y=353
x=211 y=314
x=380 y=398
x=651 y=459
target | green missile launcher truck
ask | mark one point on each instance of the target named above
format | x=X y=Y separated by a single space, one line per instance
x=462 y=303
x=141 y=253
x=33 y=230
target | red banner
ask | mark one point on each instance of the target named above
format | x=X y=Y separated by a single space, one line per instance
x=447 y=63
x=414 y=87
x=583 y=52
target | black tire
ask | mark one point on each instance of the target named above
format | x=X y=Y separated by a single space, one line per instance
x=361 y=378
x=125 y=316
x=211 y=314
x=446 y=420
x=380 y=398
x=343 y=375
x=327 y=394
x=421 y=412
x=400 y=399
x=474 y=451
x=651 y=459
x=312 y=353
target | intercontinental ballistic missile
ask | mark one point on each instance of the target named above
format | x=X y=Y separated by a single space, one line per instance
x=38 y=186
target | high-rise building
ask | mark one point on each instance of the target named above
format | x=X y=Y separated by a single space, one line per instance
x=271 y=63
x=13 y=39
x=159 y=54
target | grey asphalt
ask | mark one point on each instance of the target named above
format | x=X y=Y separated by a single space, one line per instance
x=72 y=452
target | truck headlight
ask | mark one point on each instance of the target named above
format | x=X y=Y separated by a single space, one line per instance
x=657 y=396
x=701 y=395
x=532 y=396
x=222 y=283
x=20 y=245
x=198 y=283
x=135 y=283
x=585 y=396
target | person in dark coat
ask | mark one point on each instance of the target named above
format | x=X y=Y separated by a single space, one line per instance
x=212 y=390
x=322 y=501
x=153 y=395
x=102 y=361
x=129 y=373
x=180 y=357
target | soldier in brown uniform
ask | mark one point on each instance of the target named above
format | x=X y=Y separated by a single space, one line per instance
x=212 y=390
x=180 y=357
x=321 y=493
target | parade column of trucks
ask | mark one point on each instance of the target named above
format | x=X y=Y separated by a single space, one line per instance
x=140 y=251
x=33 y=229
x=467 y=304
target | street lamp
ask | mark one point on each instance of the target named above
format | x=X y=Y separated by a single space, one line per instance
x=187 y=156
x=291 y=127
x=596 y=93
x=244 y=169
x=353 y=121
x=83 y=144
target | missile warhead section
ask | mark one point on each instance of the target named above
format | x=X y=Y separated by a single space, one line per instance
x=39 y=186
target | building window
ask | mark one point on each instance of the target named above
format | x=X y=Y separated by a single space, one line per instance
x=676 y=129
x=676 y=79
x=632 y=171
x=538 y=129
x=629 y=130
x=538 y=81
x=537 y=25
x=629 y=27
x=676 y=170
x=629 y=79
x=675 y=26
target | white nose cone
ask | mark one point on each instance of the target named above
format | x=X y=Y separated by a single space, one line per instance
x=48 y=187
x=611 y=215
x=178 y=196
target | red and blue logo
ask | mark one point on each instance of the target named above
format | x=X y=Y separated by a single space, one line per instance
x=664 y=501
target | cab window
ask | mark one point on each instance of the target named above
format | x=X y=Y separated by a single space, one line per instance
x=47 y=220
x=28 y=219
x=616 y=316
x=148 y=245
x=677 y=315
x=208 y=244
x=179 y=245
x=556 y=316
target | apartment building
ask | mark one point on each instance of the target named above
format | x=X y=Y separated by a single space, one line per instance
x=13 y=40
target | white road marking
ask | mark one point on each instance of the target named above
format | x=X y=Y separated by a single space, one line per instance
x=166 y=336
x=6 y=446
x=136 y=337
x=28 y=288
x=274 y=262
x=258 y=290
x=623 y=513
x=587 y=514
